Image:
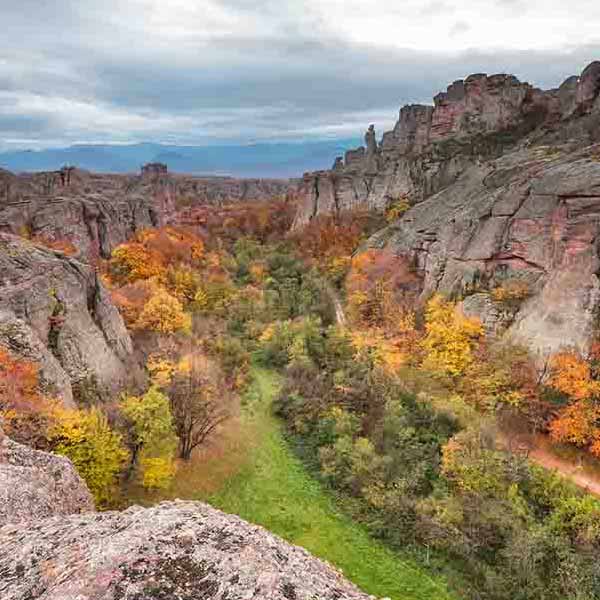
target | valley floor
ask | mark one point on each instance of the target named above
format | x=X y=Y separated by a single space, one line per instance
x=269 y=486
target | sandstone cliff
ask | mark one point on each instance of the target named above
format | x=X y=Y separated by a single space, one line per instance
x=55 y=311
x=35 y=485
x=504 y=183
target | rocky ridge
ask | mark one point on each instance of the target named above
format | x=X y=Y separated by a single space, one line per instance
x=55 y=311
x=96 y=212
x=53 y=547
x=504 y=184
x=476 y=119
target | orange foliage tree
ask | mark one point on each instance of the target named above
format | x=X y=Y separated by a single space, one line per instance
x=26 y=411
x=571 y=375
x=381 y=291
x=329 y=241
x=579 y=421
x=152 y=251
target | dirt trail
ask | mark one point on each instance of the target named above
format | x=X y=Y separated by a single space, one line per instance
x=340 y=315
x=573 y=470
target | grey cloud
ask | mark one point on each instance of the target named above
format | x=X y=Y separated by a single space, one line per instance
x=299 y=79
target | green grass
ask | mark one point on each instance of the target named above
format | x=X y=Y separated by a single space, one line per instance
x=273 y=489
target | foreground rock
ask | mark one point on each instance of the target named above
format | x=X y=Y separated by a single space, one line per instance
x=35 y=485
x=55 y=311
x=183 y=550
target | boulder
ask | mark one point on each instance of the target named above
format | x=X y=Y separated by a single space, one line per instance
x=35 y=485
x=183 y=550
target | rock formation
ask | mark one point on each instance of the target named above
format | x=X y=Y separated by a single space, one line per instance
x=184 y=550
x=97 y=212
x=35 y=485
x=55 y=311
x=476 y=119
x=53 y=546
x=504 y=183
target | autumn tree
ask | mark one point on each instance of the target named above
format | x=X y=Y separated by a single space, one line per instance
x=381 y=289
x=133 y=261
x=96 y=451
x=199 y=402
x=26 y=411
x=152 y=438
x=571 y=375
x=131 y=298
x=163 y=313
x=450 y=337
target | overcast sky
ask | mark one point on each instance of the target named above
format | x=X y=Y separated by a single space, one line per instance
x=199 y=71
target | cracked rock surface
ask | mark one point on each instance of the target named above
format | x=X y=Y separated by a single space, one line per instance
x=35 y=485
x=55 y=311
x=183 y=550
x=503 y=180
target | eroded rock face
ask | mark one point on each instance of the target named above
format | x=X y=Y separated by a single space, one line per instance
x=504 y=180
x=184 y=550
x=35 y=485
x=475 y=120
x=55 y=311
x=530 y=219
x=96 y=212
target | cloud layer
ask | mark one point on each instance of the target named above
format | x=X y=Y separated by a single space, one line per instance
x=195 y=72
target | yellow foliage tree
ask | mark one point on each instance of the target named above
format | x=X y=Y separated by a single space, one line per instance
x=161 y=370
x=85 y=437
x=158 y=472
x=163 y=313
x=133 y=261
x=450 y=337
x=152 y=436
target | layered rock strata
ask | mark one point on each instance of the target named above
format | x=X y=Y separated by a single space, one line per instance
x=476 y=119
x=504 y=184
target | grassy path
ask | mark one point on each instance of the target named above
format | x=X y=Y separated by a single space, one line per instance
x=274 y=490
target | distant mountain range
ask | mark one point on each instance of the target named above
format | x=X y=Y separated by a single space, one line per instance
x=285 y=159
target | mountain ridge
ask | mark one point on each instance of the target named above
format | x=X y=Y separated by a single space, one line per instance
x=262 y=159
